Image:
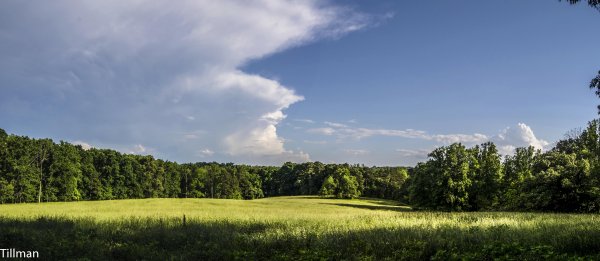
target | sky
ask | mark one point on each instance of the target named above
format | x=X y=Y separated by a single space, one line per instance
x=268 y=81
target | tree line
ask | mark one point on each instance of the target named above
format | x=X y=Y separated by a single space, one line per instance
x=565 y=178
x=39 y=170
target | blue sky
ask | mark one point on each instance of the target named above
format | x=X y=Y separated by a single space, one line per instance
x=264 y=82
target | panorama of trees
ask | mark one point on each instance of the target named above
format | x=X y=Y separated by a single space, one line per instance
x=39 y=170
x=454 y=178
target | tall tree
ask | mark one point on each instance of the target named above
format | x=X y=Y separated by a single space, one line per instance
x=90 y=181
x=42 y=155
x=447 y=175
x=328 y=187
x=486 y=172
x=65 y=173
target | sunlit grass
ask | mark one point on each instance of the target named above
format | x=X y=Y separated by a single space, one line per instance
x=294 y=227
x=276 y=209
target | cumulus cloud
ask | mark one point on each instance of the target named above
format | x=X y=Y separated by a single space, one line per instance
x=155 y=72
x=520 y=135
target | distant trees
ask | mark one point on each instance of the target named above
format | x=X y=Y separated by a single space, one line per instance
x=454 y=178
x=340 y=184
x=35 y=170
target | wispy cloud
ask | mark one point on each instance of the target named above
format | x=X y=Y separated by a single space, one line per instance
x=205 y=153
x=342 y=131
x=414 y=153
x=507 y=140
x=335 y=124
x=356 y=152
x=323 y=131
x=305 y=121
x=321 y=142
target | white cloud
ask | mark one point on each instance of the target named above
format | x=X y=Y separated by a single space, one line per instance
x=138 y=149
x=463 y=138
x=360 y=133
x=84 y=145
x=151 y=72
x=323 y=131
x=205 y=153
x=274 y=117
x=520 y=135
x=507 y=140
x=335 y=124
x=344 y=132
x=305 y=121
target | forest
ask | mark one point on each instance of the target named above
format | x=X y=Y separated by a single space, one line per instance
x=565 y=178
x=39 y=170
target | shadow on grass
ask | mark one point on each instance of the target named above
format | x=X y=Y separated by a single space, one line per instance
x=385 y=202
x=171 y=239
x=372 y=207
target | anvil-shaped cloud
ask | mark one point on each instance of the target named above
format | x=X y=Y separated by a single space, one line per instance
x=159 y=75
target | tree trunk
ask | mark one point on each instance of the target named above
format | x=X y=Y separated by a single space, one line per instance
x=42 y=158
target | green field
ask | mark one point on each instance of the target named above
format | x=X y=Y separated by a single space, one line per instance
x=305 y=228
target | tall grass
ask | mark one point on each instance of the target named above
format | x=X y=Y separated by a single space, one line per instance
x=301 y=228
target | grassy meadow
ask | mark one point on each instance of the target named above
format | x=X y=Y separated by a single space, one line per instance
x=298 y=228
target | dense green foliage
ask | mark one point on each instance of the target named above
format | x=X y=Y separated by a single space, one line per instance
x=564 y=179
x=36 y=170
x=455 y=178
x=289 y=228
